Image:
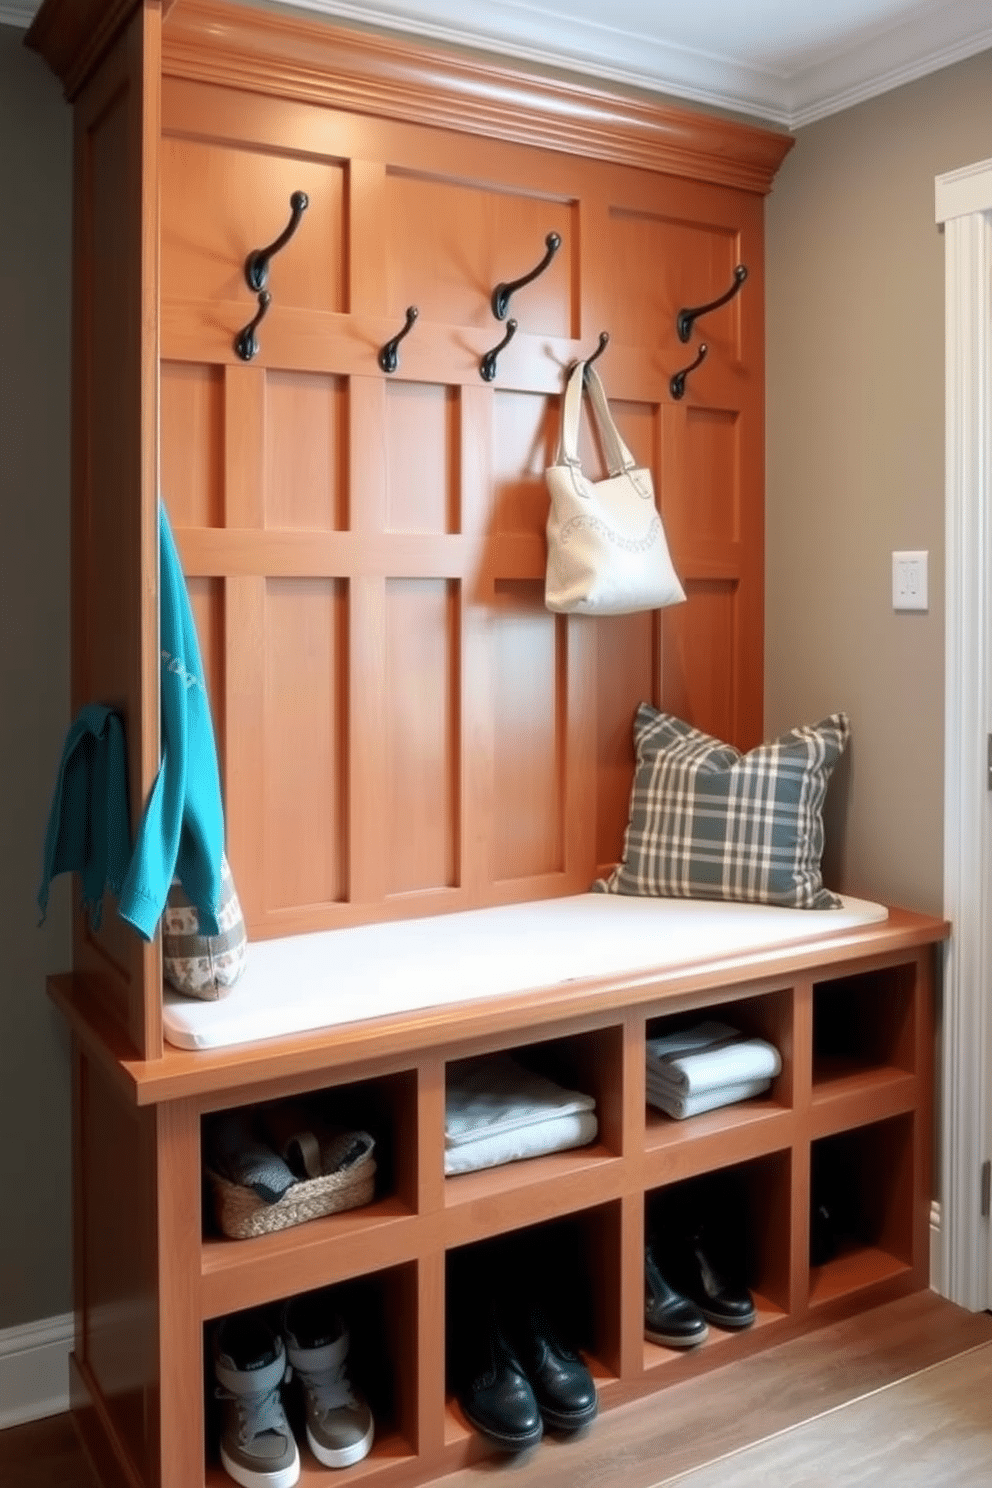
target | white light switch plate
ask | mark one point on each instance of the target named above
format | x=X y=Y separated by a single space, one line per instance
x=910 y=585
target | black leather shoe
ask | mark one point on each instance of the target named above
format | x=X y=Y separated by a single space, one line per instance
x=563 y=1387
x=723 y=1302
x=669 y=1318
x=498 y=1400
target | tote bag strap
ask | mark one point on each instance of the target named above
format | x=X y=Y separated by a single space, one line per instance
x=618 y=456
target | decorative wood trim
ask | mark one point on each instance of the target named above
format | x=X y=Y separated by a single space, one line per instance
x=328 y=65
x=73 y=36
x=967 y=1026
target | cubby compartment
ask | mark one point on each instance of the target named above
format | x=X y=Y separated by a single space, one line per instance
x=864 y=1027
x=769 y=1017
x=379 y=1313
x=739 y=1219
x=322 y=1137
x=498 y=1140
x=569 y=1267
x=861 y=1207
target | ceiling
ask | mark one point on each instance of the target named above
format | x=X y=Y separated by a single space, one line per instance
x=783 y=61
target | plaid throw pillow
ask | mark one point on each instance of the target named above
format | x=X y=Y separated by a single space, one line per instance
x=707 y=822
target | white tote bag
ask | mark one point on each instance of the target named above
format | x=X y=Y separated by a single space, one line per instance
x=607 y=553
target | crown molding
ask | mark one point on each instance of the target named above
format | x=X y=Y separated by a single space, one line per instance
x=868 y=64
x=261 y=50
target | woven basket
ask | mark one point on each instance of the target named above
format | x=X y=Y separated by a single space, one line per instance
x=242 y=1215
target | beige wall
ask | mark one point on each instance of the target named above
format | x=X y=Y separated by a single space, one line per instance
x=855 y=457
x=35 y=201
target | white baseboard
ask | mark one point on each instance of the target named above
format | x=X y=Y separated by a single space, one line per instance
x=936 y=1251
x=34 y=1370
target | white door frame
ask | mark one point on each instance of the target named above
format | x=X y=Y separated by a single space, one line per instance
x=964 y=207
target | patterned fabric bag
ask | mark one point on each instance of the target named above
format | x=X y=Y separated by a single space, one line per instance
x=204 y=966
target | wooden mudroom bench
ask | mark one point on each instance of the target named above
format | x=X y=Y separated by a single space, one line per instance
x=850 y=1010
x=407 y=738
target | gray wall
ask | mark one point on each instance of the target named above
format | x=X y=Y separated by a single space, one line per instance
x=35 y=205
x=855 y=469
x=855 y=461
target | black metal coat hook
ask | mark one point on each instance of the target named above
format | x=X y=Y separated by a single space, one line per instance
x=604 y=341
x=487 y=367
x=677 y=385
x=257 y=262
x=389 y=355
x=246 y=342
x=502 y=292
x=685 y=318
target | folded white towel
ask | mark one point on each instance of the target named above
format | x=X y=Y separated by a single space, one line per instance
x=556 y=1134
x=709 y=1056
x=680 y=1107
x=493 y=1093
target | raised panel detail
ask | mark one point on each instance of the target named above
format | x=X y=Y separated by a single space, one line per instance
x=306 y=446
x=304 y=748
x=422 y=772
x=192 y=413
x=529 y=747
x=220 y=202
x=626 y=675
x=711 y=501
x=525 y=438
x=451 y=242
x=422 y=444
x=660 y=265
x=206 y=598
x=699 y=649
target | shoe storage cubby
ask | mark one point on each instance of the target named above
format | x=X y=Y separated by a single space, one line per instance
x=861 y=1207
x=740 y=1218
x=405 y=731
x=863 y=1028
x=379 y=1311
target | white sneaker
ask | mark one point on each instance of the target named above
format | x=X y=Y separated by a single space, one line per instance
x=257 y=1447
x=340 y=1427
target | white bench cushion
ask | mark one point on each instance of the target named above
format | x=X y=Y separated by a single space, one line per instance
x=306 y=982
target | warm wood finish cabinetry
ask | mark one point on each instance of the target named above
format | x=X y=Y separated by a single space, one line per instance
x=403 y=728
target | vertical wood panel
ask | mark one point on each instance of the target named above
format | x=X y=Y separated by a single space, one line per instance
x=529 y=751
x=304 y=756
x=524 y=441
x=421 y=452
x=244 y=446
x=700 y=648
x=422 y=777
x=244 y=743
x=115 y=464
x=192 y=410
x=306 y=440
x=475 y=724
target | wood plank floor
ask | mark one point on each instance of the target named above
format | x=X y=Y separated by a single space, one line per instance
x=896 y=1396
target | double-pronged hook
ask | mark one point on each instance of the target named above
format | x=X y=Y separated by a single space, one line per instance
x=503 y=292
x=685 y=319
x=677 y=384
x=389 y=355
x=604 y=341
x=487 y=367
x=257 y=262
x=246 y=342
